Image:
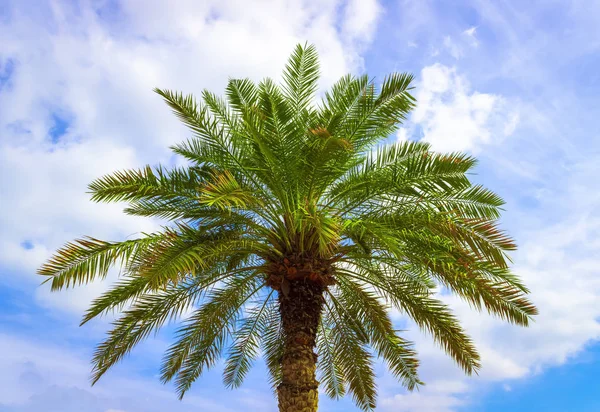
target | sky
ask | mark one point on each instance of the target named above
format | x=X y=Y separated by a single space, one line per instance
x=514 y=83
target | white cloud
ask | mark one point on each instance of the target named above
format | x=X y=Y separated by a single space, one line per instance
x=453 y=117
x=471 y=34
x=402 y=134
x=55 y=379
x=511 y=124
x=97 y=74
x=558 y=235
x=458 y=46
x=94 y=65
x=47 y=205
x=453 y=48
x=360 y=18
x=422 y=402
x=470 y=31
x=559 y=263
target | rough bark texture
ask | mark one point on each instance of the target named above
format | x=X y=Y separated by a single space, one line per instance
x=301 y=303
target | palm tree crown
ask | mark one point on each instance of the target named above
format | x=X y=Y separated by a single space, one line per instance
x=294 y=230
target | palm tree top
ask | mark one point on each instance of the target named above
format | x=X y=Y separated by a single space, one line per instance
x=283 y=193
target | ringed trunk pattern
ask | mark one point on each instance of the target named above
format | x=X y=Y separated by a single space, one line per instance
x=300 y=305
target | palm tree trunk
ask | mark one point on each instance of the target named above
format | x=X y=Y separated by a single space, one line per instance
x=300 y=306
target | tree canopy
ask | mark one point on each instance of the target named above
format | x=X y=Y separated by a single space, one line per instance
x=281 y=187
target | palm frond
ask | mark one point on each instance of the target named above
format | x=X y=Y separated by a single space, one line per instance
x=148 y=313
x=117 y=297
x=200 y=341
x=272 y=342
x=354 y=360
x=397 y=352
x=146 y=183
x=85 y=260
x=301 y=75
x=328 y=366
x=428 y=313
x=246 y=343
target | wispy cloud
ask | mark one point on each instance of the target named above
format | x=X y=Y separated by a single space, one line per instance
x=494 y=78
x=452 y=116
x=506 y=100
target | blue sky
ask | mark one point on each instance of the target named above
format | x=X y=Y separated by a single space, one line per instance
x=515 y=83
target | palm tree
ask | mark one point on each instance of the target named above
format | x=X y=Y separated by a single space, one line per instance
x=292 y=231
